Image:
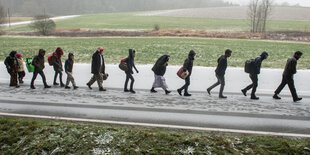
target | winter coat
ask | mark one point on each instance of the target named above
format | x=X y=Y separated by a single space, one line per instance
x=69 y=63
x=21 y=66
x=11 y=61
x=222 y=66
x=188 y=63
x=96 y=63
x=160 y=66
x=57 y=64
x=130 y=62
x=38 y=62
x=258 y=62
x=290 y=67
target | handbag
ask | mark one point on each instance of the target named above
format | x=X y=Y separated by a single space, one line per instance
x=183 y=75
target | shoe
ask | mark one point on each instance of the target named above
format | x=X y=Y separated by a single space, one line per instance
x=187 y=94
x=254 y=98
x=298 y=99
x=209 y=91
x=153 y=90
x=62 y=85
x=223 y=97
x=67 y=87
x=180 y=92
x=32 y=87
x=47 y=86
x=243 y=92
x=75 y=87
x=275 y=96
x=126 y=90
x=17 y=86
x=55 y=84
x=132 y=91
x=167 y=92
x=102 y=89
x=89 y=86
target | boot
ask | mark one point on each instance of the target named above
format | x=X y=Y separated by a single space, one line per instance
x=253 y=97
x=126 y=90
x=67 y=87
x=209 y=91
x=222 y=96
x=102 y=89
x=32 y=87
x=275 y=96
x=89 y=86
x=167 y=92
x=17 y=86
x=132 y=91
x=180 y=92
x=47 y=86
x=75 y=87
x=297 y=99
x=153 y=90
x=243 y=92
x=187 y=94
x=62 y=85
x=55 y=84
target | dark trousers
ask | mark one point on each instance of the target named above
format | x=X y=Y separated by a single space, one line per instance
x=290 y=82
x=60 y=76
x=187 y=83
x=21 y=74
x=35 y=74
x=129 y=76
x=254 y=84
x=13 y=80
x=220 y=80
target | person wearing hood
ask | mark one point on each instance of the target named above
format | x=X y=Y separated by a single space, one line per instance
x=57 y=65
x=97 y=69
x=187 y=66
x=68 y=69
x=220 y=72
x=254 y=75
x=288 y=77
x=11 y=64
x=130 y=60
x=21 y=67
x=38 y=63
x=159 y=70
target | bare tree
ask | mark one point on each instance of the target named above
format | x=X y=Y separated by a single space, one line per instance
x=258 y=13
x=43 y=24
x=2 y=14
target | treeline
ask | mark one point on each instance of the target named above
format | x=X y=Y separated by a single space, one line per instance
x=70 y=7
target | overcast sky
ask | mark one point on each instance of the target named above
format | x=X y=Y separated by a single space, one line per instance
x=293 y=2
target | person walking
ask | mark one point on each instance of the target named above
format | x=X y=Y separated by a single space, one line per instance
x=97 y=69
x=57 y=65
x=288 y=77
x=187 y=66
x=159 y=70
x=11 y=64
x=254 y=75
x=130 y=60
x=38 y=63
x=21 y=68
x=220 y=72
x=68 y=69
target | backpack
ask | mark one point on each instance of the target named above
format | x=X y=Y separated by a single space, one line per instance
x=50 y=60
x=123 y=65
x=249 y=66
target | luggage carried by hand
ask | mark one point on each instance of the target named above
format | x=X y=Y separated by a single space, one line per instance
x=183 y=75
x=105 y=76
x=29 y=65
x=123 y=65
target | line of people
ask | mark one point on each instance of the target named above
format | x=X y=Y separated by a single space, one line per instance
x=15 y=67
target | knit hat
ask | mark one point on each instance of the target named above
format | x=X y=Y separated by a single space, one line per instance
x=18 y=55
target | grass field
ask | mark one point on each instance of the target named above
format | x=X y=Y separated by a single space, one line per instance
x=131 y=21
x=149 y=49
x=26 y=136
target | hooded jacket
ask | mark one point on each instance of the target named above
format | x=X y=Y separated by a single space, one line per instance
x=290 y=67
x=130 y=62
x=11 y=60
x=38 y=61
x=258 y=62
x=188 y=63
x=222 y=65
x=69 y=63
x=160 y=66
x=56 y=58
x=96 y=63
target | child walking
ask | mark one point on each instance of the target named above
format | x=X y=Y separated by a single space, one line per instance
x=68 y=69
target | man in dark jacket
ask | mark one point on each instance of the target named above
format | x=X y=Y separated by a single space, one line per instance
x=57 y=65
x=68 y=69
x=187 y=66
x=38 y=63
x=254 y=75
x=97 y=69
x=130 y=60
x=288 y=77
x=159 y=70
x=11 y=64
x=220 y=72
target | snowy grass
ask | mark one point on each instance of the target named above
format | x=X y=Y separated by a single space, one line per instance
x=26 y=136
x=150 y=48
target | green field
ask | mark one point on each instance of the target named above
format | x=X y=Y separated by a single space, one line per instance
x=149 y=49
x=26 y=136
x=131 y=21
